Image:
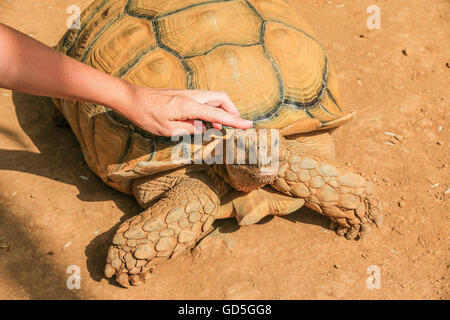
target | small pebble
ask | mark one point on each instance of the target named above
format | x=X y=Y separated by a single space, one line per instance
x=401 y=203
x=84 y=177
x=67 y=244
x=395 y=138
x=336 y=266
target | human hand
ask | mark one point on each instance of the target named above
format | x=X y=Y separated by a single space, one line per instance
x=167 y=112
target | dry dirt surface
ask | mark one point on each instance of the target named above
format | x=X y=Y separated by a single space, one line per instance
x=55 y=213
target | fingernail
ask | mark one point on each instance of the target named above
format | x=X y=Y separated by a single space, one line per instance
x=248 y=122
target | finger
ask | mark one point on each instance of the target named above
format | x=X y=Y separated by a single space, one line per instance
x=180 y=128
x=202 y=127
x=220 y=117
x=199 y=126
x=226 y=107
x=214 y=98
x=217 y=126
x=185 y=127
x=194 y=110
x=224 y=101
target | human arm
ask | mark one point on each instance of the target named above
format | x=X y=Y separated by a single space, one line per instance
x=29 y=66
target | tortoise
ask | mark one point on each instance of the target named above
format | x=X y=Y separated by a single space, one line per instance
x=267 y=58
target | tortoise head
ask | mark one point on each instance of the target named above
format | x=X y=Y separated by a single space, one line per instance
x=253 y=158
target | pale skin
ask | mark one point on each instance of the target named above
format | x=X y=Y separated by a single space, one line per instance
x=28 y=66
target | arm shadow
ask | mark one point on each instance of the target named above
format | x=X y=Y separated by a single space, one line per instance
x=59 y=158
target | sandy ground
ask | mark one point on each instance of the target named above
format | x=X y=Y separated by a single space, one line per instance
x=56 y=213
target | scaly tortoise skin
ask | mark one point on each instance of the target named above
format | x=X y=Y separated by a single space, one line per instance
x=266 y=57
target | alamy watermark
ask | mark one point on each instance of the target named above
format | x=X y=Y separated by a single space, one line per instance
x=374 y=20
x=374 y=281
x=73 y=22
x=74 y=280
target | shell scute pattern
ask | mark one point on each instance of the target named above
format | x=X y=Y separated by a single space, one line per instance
x=262 y=53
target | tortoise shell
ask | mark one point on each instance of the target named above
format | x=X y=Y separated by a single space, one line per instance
x=261 y=52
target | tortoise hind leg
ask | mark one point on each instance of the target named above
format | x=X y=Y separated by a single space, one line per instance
x=330 y=189
x=181 y=217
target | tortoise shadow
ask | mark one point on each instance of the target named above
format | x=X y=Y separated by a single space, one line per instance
x=60 y=158
x=27 y=265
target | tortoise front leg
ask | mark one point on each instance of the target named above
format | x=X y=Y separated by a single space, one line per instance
x=330 y=189
x=182 y=216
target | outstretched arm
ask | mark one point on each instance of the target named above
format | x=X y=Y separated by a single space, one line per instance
x=29 y=66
